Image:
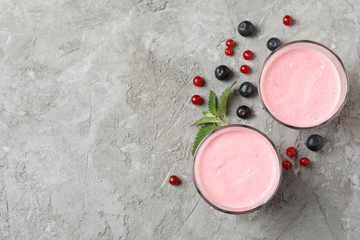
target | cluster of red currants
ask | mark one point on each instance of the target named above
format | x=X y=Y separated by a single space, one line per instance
x=198 y=82
x=291 y=152
x=245 y=69
x=230 y=44
x=248 y=55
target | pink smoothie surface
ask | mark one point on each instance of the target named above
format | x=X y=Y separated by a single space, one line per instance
x=237 y=169
x=301 y=87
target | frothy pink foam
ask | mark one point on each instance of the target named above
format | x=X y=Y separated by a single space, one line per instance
x=300 y=87
x=237 y=169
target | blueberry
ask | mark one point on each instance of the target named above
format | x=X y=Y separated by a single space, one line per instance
x=273 y=43
x=315 y=142
x=222 y=72
x=243 y=112
x=246 y=28
x=246 y=89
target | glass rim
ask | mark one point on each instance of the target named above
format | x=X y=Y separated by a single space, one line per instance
x=335 y=114
x=230 y=211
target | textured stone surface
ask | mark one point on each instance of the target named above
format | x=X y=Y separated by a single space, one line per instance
x=94 y=115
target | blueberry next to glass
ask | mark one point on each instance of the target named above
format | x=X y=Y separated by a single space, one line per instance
x=246 y=89
x=243 y=112
x=273 y=43
x=315 y=142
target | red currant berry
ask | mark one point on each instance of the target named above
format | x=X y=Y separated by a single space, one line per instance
x=229 y=52
x=248 y=55
x=245 y=69
x=196 y=99
x=287 y=20
x=198 y=81
x=304 y=161
x=291 y=152
x=286 y=164
x=230 y=43
x=174 y=180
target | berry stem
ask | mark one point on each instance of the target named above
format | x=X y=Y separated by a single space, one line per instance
x=222 y=124
x=226 y=121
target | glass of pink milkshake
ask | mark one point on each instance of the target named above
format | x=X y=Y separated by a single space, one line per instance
x=237 y=169
x=303 y=84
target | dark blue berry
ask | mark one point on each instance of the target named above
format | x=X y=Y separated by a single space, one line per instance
x=315 y=142
x=243 y=112
x=222 y=72
x=246 y=28
x=246 y=89
x=273 y=43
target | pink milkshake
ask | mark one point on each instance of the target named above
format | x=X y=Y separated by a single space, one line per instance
x=236 y=169
x=303 y=84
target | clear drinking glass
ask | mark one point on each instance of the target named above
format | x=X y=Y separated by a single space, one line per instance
x=343 y=75
x=264 y=198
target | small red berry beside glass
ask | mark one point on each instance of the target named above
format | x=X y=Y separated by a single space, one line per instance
x=248 y=55
x=245 y=69
x=291 y=152
x=230 y=43
x=229 y=51
x=196 y=99
x=287 y=20
x=198 y=81
x=174 y=180
x=286 y=164
x=304 y=161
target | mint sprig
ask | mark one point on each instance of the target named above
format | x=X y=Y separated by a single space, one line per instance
x=223 y=101
x=209 y=114
x=212 y=103
x=213 y=119
x=207 y=120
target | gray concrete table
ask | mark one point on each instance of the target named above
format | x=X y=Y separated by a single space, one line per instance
x=95 y=108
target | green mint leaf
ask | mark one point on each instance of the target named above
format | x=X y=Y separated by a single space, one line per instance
x=203 y=132
x=223 y=101
x=212 y=103
x=206 y=120
x=208 y=114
